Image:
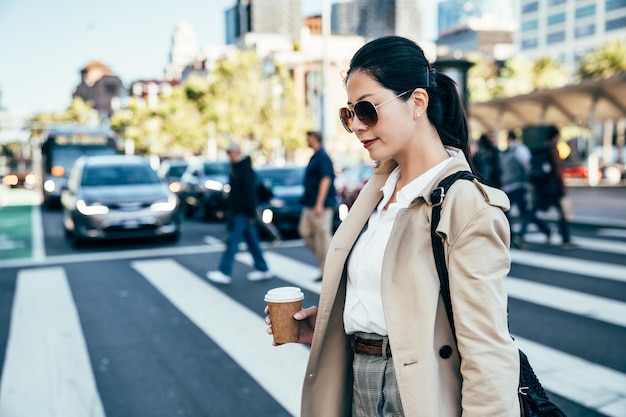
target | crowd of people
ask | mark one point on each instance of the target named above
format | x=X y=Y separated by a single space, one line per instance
x=531 y=178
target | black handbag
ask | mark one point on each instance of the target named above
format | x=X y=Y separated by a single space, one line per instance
x=534 y=401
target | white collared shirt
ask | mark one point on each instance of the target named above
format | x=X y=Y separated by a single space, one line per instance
x=364 y=308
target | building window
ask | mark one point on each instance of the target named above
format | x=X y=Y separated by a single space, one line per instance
x=615 y=4
x=555 y=2
x=615 y=24
x=530 y=25
x=110 y=88
x=529 y=43
x=586 y=11
x=585 y=30
x=556 y=18
x=556 y=37
x=530 y=7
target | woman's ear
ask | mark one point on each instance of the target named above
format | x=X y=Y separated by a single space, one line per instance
x=419 y=99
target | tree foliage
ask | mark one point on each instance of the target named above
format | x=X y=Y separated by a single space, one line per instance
x=516 y=76
x=604 y=61
x=242 y=100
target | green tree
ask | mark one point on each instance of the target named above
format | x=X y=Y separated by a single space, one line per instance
x=243 y=99
x=548 y=72
x=604 y=61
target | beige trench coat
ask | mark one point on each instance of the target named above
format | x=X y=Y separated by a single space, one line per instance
x=476 y=236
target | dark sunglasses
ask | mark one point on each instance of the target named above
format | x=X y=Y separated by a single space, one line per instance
x=365 y=111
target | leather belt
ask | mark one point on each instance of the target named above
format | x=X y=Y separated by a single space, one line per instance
x=369 y=346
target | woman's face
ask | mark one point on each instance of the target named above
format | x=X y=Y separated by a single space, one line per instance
x=396 y=126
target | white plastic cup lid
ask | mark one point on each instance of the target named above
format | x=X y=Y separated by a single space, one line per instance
x=284 y=295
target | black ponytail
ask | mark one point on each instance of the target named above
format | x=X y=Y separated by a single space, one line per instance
x=447 y=113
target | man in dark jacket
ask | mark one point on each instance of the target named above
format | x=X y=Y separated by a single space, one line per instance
x=241 y=207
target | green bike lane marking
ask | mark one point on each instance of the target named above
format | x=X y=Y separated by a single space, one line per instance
x=17 y=215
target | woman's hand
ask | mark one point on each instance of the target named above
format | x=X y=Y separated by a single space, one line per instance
x=306 y=317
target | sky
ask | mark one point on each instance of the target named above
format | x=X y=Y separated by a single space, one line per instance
x=44 y=44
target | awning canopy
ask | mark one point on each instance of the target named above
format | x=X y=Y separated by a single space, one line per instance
x=584 y=103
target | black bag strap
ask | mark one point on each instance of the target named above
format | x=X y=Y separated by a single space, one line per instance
x=436 y=199
x=534 y=401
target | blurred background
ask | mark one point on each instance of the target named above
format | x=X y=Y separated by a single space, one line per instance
x=105 y=308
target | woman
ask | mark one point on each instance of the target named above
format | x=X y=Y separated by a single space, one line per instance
x=381 y=343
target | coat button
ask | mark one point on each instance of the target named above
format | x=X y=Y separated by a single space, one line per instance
x=445 y=351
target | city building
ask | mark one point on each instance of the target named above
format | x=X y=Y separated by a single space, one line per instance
x=343 y=18
x=376 y=18
x=493 y=39
x=569 y=28
x=278 y=17
x=183 y=51
x=452 y=14
x=99 y=87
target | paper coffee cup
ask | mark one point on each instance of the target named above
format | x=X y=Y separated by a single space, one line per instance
x=283 y=303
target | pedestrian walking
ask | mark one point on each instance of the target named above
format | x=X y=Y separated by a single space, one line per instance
x=319 y=200
x=381 y=342
x=515 y=163
x=486 y=161
x=549 y=189
x=242 y=217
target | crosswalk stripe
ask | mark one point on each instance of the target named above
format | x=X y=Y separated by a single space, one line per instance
x=587 y=243
x=620 y=233
x=47 y=371
x=591 y=385
x=288 y=269
x=593 y=269
x=575 y=302
x=279 y=370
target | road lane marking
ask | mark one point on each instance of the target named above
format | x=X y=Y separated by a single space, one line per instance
x=587 y=243
x=592 y=269
x=47 y=371
x=279 y=370
x=592 y=306
x=591 y=385
x=288 y=269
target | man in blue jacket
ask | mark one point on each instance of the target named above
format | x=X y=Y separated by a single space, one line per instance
x=319 y=200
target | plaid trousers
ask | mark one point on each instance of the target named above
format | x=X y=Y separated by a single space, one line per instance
x=375 y=388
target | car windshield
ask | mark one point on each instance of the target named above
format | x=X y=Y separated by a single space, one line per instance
x=281 y=177
x=176 y=171
x=118 y=175
x=216 y=168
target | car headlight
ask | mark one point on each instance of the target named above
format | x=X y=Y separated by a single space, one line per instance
x=175 y=187
x=90 y=209
x=10 y=179
x=169 y=205
x=267 y=216
x=49 y=186
x=213 y=185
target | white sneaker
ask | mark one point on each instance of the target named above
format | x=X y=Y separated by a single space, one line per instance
x=259 y=275
x=218 y=277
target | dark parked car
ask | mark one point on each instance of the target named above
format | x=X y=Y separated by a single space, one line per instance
x=202 y=188
x=282 y=210
x=170 y=171
x=117 y=196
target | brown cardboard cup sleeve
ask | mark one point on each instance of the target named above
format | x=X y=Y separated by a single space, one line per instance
x=283 y=303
